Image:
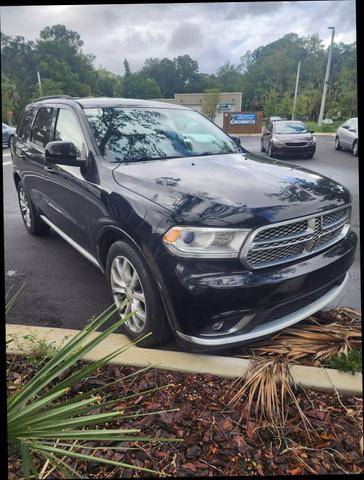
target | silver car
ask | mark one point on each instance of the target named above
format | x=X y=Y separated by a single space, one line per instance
x=8 y=134
x=347 y=136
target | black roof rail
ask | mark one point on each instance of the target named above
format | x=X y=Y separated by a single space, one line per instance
x=52 y=96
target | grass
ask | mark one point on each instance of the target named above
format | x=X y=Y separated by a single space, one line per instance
x=351 y=362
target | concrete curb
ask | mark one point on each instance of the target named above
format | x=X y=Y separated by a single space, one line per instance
x=229 y=367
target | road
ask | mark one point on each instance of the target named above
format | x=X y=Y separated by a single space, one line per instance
x=62 y=289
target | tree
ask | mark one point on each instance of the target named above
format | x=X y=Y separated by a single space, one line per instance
x=271 y=103
x=138 y=85
x=209 y=103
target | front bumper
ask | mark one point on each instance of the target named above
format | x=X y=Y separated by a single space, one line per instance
x=294 y=150
x=216 y=305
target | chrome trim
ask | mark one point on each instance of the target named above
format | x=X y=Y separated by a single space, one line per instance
x=270 y=327
x=74 y=244
x=250 y=238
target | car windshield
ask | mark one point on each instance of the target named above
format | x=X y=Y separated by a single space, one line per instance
x=135 y=134
x=288 y=128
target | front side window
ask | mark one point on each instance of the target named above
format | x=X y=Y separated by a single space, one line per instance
x=289 y=128
x=25 y=124
x=137 y=134
x=41 y=130
x=68 y=129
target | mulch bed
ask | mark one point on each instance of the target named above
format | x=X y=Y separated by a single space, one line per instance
x=214 y=443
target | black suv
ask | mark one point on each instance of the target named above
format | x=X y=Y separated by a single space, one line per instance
x=195 y=235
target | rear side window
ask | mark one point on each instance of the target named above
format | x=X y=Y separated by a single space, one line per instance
x=41 y=130
x=25 y=124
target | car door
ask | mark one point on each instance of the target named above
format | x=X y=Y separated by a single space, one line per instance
x=345 y=135
x=65 y=184
x=29 y=152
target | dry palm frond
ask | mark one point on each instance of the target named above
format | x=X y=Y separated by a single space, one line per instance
x=268 y=382
x=269 y=385
x=316 y=340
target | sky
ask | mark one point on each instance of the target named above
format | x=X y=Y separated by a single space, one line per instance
x=211 y=33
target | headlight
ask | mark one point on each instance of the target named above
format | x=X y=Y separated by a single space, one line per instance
x=276 y=141
x=196 y=242
x=312 y=141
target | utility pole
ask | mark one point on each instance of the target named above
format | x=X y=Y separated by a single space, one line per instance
x=326 y=83
x=296 y=90
x=39 y=84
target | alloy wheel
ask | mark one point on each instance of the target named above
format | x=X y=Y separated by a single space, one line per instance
x=25 y=208
x=128 y=293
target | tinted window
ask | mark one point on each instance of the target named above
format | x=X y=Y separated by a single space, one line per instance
x=68 y=129
x=289 y=128
x=25 y=124
x=41 y=131
x=138 y=134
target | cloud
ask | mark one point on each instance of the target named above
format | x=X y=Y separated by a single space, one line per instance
x=211 y=33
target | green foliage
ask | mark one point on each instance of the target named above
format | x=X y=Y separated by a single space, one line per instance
x=209 y=103
x=47 y=421
x=352 y=362
x=266 y=76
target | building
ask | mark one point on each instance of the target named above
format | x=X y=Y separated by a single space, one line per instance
x=229 y=102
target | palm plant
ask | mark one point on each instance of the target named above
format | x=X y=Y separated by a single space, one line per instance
x=46 y=420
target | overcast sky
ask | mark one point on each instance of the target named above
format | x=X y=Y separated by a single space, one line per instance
x=211 y=33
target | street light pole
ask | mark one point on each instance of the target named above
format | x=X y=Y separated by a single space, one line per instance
x=296 y=90
x=326 y=83
x=39 y=84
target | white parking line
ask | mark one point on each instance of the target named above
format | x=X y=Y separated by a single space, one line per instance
x=6 y=163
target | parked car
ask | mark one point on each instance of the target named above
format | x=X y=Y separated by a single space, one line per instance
x=195 y=236
x=8 y=134
x=347 y=136
x=289 y=137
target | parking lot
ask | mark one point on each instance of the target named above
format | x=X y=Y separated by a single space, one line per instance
x=62 y=289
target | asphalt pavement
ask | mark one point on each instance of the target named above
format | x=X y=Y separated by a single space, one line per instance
x=62 y=289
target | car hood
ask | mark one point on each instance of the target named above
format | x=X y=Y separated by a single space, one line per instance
x=294 y=137
x=243 y=190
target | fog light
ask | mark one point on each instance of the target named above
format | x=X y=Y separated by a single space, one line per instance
x=217 y=326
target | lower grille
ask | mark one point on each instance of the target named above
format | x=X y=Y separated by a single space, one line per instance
x=293 y=239
x=296 y=144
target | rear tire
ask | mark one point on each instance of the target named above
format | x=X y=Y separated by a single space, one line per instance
x=32 y=221
x=10 y=141
x=262 y=148
x=129 y=278
x=337 y=143
x=354 y=149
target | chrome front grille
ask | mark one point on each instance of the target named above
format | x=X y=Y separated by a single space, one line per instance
x=293 y=239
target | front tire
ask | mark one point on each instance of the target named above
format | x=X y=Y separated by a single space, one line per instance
x=262 y=148
x=133 y=289
x=32 y=221
x=10 y=141
x=337 y=143
x=354 y=149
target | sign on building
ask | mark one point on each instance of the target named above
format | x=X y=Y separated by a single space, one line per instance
x=225 y=106
x=243 y=119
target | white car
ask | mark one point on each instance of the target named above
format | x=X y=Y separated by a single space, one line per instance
x=347 y=136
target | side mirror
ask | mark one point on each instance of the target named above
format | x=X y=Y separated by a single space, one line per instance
x=311 y=131
x=236 y=139
x=62 y=153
